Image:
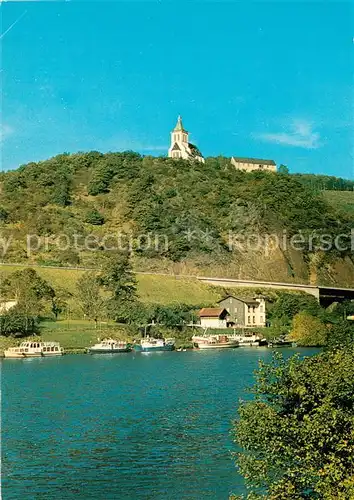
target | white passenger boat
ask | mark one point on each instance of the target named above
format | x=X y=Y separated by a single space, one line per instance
x=150 y=344
x=214 y=342
x=110 y=346
x=33 y=349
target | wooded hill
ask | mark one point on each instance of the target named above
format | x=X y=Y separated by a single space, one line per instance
x=193 y=206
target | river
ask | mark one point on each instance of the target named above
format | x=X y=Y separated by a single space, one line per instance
x=128 y=426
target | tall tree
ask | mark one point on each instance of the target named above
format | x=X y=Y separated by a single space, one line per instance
x=91 y=297
x=308 y=330
x=60 y=301
x=118 y=279
x=29 y=289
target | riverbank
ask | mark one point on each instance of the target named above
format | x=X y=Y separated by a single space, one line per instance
x=76 y=335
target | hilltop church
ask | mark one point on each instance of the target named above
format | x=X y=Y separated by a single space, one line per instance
x=182 y=148
x=180 y=145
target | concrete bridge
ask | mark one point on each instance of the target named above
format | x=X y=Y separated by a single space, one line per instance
x=326 y=295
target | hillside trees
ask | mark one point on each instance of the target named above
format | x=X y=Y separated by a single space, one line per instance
x=297 y=435
x=288 y=305
x=195 y=206
x=110 y=166
x=307 y=330
x=340 y=335
x=325 y=182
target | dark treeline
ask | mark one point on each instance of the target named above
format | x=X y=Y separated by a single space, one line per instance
x=325 y=182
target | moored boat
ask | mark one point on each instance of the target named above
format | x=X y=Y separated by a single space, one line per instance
x=110 y=346
x=281 y=342
x=150 y=344
x=214 y=342
x=32 y=349
x=250 y=340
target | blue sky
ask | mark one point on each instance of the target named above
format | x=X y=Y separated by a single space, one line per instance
x=267 y=79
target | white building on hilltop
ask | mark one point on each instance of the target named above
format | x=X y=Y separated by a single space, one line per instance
x=251 y=164
x=180 y=145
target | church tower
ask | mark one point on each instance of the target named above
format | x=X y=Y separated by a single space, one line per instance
x=180 y=145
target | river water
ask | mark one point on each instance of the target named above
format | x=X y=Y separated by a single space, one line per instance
x=129 y=426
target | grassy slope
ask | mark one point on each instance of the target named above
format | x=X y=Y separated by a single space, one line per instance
x=79 y=333
x=151 y=288
x=342 y=200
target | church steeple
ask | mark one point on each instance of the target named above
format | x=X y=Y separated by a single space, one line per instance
x=180 y=146
x=179 y=126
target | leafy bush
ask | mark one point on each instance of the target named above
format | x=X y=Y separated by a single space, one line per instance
x=16 y=324
x=3 y=214
x=94 y=217
x=297 y=435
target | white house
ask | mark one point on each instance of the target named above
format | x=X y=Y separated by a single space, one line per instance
x=213 y=317
x=250 y=164
x=245 y=312
x=180 y=145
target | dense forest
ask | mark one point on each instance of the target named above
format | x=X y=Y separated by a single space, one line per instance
x=173 y=215
x=325 y=182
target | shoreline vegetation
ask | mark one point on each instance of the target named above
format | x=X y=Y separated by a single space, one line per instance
x=295 y=435
x=113 y=302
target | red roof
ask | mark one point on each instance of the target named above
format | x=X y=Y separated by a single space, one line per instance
x=211 y=312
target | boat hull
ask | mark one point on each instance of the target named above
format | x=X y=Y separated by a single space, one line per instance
x=109 y=351
x=16 y=355
x=164 y=348
x=280 y=344
x=253 y=344
x=228 y=345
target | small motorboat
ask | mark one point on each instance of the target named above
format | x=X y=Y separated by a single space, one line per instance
x=150 y=344
x=110 y=346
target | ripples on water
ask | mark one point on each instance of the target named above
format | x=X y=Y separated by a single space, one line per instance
x=128 y=426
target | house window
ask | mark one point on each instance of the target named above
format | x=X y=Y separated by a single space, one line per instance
x=249 y=319
x=261 y=309
x=254 y=320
